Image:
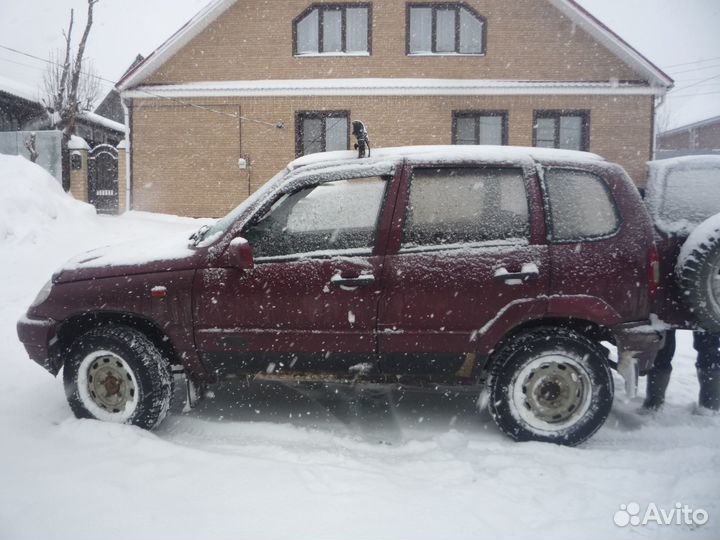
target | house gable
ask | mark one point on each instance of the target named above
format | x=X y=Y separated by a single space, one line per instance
x=527 y=40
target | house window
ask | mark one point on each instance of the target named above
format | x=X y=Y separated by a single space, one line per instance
x=333 y=29
x=562 y=129
x=322 y=132
x=444 y=29
x=480 y=127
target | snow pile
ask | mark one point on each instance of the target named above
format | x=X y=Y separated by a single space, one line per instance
x=263 y=461
x=33 y=206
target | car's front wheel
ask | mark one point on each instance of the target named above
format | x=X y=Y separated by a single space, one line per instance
x=550 y=385
x=116 y=374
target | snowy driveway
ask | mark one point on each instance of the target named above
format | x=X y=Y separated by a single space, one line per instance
x=266 y=462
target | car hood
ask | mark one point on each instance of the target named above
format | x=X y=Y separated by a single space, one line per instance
x=147 y=256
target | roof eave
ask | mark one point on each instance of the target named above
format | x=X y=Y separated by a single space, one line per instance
x=172 y=45
x=617 y=45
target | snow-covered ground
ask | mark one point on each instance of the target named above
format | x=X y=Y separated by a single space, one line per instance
x=267 y=462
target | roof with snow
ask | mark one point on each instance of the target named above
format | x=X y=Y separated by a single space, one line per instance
x=576 y=13
x=694 y=125
x=18 y=89
x=98 y=120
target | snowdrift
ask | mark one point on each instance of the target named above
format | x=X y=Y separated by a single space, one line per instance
x=33 y=206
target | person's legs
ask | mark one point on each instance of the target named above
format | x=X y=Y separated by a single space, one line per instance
x=708 y=369
x=659 y=377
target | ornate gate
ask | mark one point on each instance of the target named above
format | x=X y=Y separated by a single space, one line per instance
x=103 y=178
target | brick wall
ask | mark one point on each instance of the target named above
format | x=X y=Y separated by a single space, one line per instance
x=79 y=178
x=703 y=137
x=185 y=160
x=526 y=40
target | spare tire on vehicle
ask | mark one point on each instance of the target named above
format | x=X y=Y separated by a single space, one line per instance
x=698 y=272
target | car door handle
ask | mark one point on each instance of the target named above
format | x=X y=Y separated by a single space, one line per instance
x=352 y=282
x=529 y=272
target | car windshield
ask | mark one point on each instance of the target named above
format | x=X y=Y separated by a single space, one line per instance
x=207 y=235
x=691 y=195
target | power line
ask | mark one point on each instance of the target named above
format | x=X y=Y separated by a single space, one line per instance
x=682 y=96
x=278 y=125
x=704 y=68
x=693 y=85
x=693 y=62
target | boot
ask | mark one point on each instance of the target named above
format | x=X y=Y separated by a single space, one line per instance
x=657 y=383
x=709 y=398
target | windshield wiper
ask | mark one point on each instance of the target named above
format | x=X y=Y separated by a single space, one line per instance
x=198 y=235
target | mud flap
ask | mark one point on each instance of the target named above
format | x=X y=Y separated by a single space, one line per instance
x=186 y=394
x=629 y=370
x=638 y=345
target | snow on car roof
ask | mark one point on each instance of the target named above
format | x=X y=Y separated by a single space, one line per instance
x=701 y=162
x=446 y=154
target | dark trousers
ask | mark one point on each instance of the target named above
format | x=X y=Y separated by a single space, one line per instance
x=706 y=345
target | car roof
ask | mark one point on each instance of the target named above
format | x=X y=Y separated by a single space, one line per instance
x=689 y=162
x=440 y=154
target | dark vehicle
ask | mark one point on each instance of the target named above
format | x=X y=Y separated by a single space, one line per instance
x=490 y=268
x=683 y=196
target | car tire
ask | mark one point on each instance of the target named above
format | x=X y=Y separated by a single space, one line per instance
x=550 y=385
x=116 y=374
x=698 y=272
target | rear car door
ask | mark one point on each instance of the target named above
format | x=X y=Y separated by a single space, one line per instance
x=311 y=300
x=599 y=256
x=469 y=249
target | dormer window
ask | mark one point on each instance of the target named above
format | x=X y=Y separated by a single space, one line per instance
x=445 y=29
x=333 y=29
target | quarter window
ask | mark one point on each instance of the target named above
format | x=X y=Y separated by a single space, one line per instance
x=481 y=127
x=581 y=206
x=444 y=29
x=333 y=216
x=559 y=129
x=322 y=132
x=333 y=29
x=451 y=206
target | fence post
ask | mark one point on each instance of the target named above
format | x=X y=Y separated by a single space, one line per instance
x=79 y=168
x=122 y=176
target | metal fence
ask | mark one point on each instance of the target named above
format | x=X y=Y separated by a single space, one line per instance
x=47 y=144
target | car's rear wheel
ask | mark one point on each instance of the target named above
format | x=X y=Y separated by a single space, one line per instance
x=550 y=385
x=116 y=374
x=698 y=271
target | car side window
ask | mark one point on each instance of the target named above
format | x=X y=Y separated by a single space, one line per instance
x=581 y=206
x=332 y=216
x=465 y=205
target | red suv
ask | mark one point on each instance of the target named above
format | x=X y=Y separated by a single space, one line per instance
x=497 y=268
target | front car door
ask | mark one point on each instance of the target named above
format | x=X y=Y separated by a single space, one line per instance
x=469 y=261
x=310 y=302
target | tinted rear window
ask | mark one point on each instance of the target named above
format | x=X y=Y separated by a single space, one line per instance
x=461 y=205
x=691 y=195
x=581 y=206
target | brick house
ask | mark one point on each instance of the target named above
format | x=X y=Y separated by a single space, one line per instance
x=259 y=83
x=692 y=139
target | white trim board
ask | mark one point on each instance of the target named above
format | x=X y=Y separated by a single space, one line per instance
x=387 y=87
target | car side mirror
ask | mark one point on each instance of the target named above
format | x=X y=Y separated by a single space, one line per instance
x=239 y=254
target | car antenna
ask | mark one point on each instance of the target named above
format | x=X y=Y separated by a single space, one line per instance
x=363 y=140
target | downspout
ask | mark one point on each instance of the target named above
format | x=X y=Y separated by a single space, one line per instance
x=128 y=152
x=659 y=102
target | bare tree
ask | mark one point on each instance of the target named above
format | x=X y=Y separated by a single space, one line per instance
x=71 y=87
